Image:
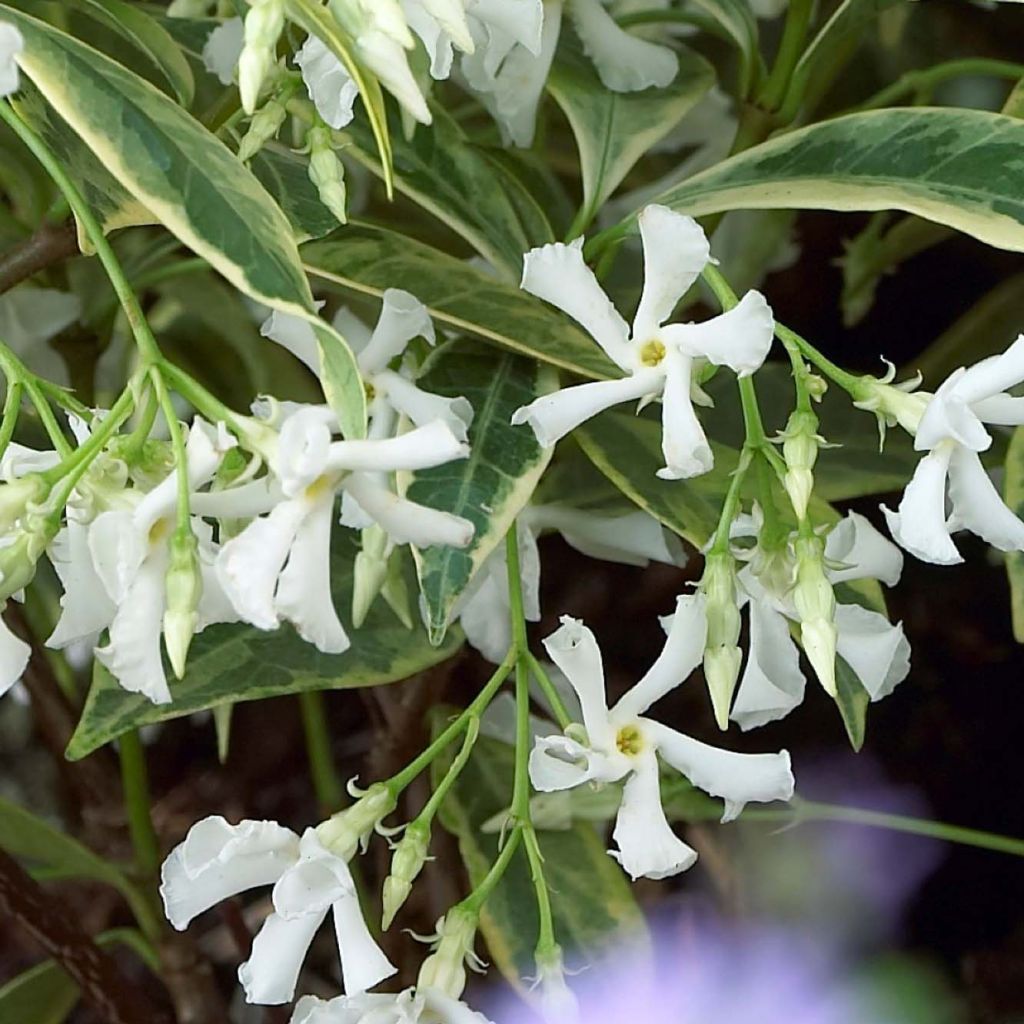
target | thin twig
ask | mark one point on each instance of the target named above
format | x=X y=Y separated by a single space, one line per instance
x=51 y=244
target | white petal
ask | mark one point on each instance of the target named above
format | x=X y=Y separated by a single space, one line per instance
x=739 y=338
x=304 y=587
x=271 y=973
x=555 y=415
x=14 y=655
x=683 y=442
x=214 y=603
x=436 y=41
x=86 y=607
x=557 y=274
x=529 y=571
x=675 y=252
x=573 y=648
x=993 y=375
x=736 y=778
x=522 y=20
x=432 y=445
x=404 y=520
x=977 y=505
x=402 y=318
x=363 y=963
x=389 y=62
x=17 y=460
x=772 y=683
x=635 y=538
x=1004 y=410
x=919 y=524
x=117 y=550
x=217 y=860
x=352 y=329
x=422 y=407
x=451 y=1011
x=948 y=417
x=223 y=48
x=648 y=848
x=863 y=551
x=132 y=653
x=293 y=333
x=11 y=44
x=330 y=87
x=242 y=502
x=682 y=653
x=558 y=762
x=626 y=63
x=304 y=447
x=486 y=620
x=248 y=565
x=313 y=883
x=352 y=515
x=873 y=647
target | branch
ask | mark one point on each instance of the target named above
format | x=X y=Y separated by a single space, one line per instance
x=50 y=244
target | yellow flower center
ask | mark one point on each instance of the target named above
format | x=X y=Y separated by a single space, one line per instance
x=371 y=391
x=629 y=740
x=652 y=353
x=159 y=531
x=318 y=487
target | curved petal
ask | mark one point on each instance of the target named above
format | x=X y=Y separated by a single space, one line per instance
x=682 y=653
x=558 y=762
x=648 y=848
x=522 y=20
x=948 y=417
x=242 y=502
x=402 y=318
x=676 y=250
x=555 y=415
x=625 y=63
x=432 y=445
x=304 y=447
x=352 y=329
x=919 y=525
x=436 y=41
x=14 y=655
x=529 y=571
x=485 y=618
x=451 y=16
x=573 y=648
x=388 y=61
x=271 y=973
x=117 y=550
x=740 y=338
x=217 y=860
x=333 y=93
x=405 y=521
x=314 y=882
x=423 y=407
x=683 y=442
x=737 y=779
x=450 y=1010
x=772 y=683
x=363 y=963
x=862 y=552
x=873 y=647
x=977 y=505
x=557 y=274
x=223 y=48
x=86 y=607
x=992 y=375
x=304 y=586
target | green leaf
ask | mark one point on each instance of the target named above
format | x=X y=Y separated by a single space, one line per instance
x=1013 y=492
x=369 y=259
x=285 y=175
x=591 y=900
x=489 y=488
x=442 y=171
x=231 y=664
x=736 y=22
x=614 y=130
x=961 y=168
x=852 y=700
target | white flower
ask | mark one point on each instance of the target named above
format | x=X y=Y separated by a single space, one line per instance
x=877 y=650
x=223 y=48
x=632 y=539
x=330 y=87
x=413 y=1006
x=952 y=431
x=658 y=360
x=11 y=44
x=278 y=567
x=621 y=743
x=218 y=860
x=442 y=28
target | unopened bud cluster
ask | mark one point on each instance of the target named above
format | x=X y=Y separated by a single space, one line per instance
x=722 y=655
x=800 y=444
x=344 y=832
x=410 y=854
x=184 y=587
x=445 y=968
x=327 y=172
x=815 y=602
x=263 y=27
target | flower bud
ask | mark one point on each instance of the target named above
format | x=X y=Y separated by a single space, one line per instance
x=369 y=573
x=892 y=403
x=343 y=832
x=327 y=172
x=409 y=857
x=184 y=588
x=445 y=968
x=722 y=656
x=16 y=495
x=557 y=1002
x=21 y=549
x=385 y=16
x=800 y=442
x=265 y=124
x=263 y=26
x=815 y=603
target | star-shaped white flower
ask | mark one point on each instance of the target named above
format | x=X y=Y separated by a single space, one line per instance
x=952 y=430
x=621 y=743
x=11 y=44
x=218 y=860
x=413 y=1006
x=657 y=358
x=773 y=684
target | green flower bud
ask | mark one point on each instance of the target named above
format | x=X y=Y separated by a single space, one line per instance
x=184 y=588
x=21 y=551
x=369 y=573
x=722 y=656
x=16 y=495
x=800 y=450
x=558 y=1004
x=407 y=862
x=893 y=403
x=327 y=172
x=445 y=968
x=265 y=124
x=343 y=832
x=263 y=27
x=815 y=603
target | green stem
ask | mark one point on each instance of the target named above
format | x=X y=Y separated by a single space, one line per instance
x=177 y=445
x=560 y=711
x=330 y=791
x=60 y=443
x=135 y=780
x=546 y=928
x=12 y=405
x=479 y=896
x=521 y=776
x=430 y=809
x=794 y=34
x=847 y=381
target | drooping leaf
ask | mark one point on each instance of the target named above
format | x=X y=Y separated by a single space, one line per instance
x=233 y=663
x=369 y=259
x=961 y=168
x=614 y=130
x=591 y=900
x=495 y=482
